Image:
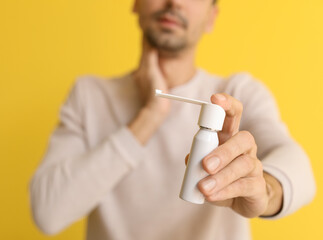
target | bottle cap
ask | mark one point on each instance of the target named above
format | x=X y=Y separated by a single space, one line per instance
x=211 y=116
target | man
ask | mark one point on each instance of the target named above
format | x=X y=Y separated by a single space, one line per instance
x=116 y=155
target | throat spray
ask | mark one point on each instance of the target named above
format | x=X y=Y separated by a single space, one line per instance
x=205 y=140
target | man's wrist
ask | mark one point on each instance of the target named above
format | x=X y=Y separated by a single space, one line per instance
x=274 y=194
x=145 y=124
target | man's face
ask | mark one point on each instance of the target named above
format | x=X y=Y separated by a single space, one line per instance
x=174 y=25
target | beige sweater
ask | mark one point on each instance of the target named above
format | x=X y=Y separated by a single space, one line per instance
x=95 y=167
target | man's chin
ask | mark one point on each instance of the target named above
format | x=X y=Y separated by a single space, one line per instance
x=168 y=46
x=166 y=42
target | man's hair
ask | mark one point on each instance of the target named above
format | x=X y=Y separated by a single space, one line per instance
x=214 y=1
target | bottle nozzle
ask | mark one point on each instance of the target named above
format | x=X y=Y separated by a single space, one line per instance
x=159 y=93
x=211 y=116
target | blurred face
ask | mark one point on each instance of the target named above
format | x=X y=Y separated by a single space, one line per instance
x=174 y=25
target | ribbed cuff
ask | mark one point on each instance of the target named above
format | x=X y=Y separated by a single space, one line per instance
x=287 y=190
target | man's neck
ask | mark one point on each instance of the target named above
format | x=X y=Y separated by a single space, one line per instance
x=178 y=69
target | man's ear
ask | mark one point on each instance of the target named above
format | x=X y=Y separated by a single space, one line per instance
x=214 y=11
x=135 y=6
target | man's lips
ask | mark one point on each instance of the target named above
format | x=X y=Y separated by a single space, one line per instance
x=169 y=21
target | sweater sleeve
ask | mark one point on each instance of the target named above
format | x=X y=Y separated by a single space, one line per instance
x=72 y=179
x=281 y=156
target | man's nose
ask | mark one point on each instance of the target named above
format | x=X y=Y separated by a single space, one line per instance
x=175 y=3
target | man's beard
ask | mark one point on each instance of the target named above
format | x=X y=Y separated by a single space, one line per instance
x=163 y=38
x=161 y=41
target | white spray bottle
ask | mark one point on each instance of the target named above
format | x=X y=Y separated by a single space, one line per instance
x=205 y=140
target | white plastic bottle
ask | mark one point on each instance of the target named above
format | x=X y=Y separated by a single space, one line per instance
x=205 y=140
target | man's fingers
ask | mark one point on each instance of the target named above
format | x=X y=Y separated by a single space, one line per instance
x=241 y=167
x=233 y=109
x=155 y=72
x=152 y=58
x=149 y=59
x=232 y=106
x=244 y=187
x=242 y=142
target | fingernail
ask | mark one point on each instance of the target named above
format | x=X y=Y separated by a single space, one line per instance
x=212 y=163
x=208 y=184
x=220 y=97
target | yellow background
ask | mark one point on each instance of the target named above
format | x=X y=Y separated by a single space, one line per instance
x=45 y=45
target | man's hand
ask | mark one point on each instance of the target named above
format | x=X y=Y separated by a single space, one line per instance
x=236 y=177
x=149 y=77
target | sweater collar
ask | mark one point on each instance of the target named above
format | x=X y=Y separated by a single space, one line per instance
x=189 y=85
